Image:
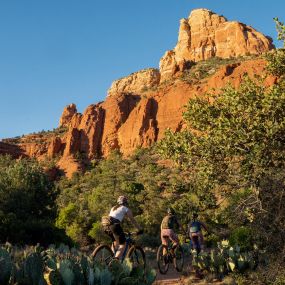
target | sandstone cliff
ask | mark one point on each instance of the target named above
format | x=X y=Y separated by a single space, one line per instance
x=140 y=107
x=205 y=34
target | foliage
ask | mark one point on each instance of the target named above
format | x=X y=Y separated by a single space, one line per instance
x=276 y=58
x=140 y=177
x=64 y=266
x=242 y=236
x=27 y=199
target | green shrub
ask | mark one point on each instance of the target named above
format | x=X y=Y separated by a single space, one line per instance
x=242 y=236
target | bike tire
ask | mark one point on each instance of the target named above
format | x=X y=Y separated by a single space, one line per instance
x=178 y=259
x=103 y=254
x=137 y=256
x=162 y=259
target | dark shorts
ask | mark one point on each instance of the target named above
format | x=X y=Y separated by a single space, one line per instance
x=116 y=233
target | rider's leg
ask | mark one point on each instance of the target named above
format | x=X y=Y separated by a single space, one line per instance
x=164 y=239
x=120 y=240
x=174 y=238
x=195 y=241
x=109 y=232
x=120 y=251
x=115 y=246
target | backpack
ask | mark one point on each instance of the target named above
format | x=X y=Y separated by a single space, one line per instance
x=195 y=227
x=106 y=221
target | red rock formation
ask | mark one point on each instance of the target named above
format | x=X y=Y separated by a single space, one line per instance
x=67 y=115
x=140 y=107
x=140 y=129
x=205 y=34
x=55 y=147
x=91 y=127
x=117 y=110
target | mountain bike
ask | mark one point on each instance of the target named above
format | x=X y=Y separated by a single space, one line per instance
x=104 y=254
x=167 y=254
x=195 y=249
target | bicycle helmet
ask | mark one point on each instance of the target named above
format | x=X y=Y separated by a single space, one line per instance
x=170 y=211
x=122 y=200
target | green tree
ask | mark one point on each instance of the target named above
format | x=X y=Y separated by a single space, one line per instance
x=149 y=186
x=26 y=202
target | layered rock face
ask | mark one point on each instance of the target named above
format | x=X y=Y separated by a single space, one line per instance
x=140 y=107
x=205 y=34
x=136 y=83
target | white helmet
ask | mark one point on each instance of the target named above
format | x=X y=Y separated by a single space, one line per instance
x=122 y=200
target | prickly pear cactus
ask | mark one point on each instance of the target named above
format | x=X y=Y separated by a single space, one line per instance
x=150 y=276
x=66 y=272
x=91 y=277
x=54 y=278
x=105 y=277
x=34 y=268
x=84 y=264
x=79 y=276
x=5 y=266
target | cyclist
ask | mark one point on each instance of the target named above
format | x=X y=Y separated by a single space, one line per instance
x=168 y=225
x=113 y=225
x=195 y=229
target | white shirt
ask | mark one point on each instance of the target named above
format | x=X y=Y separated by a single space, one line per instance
x=119 y=213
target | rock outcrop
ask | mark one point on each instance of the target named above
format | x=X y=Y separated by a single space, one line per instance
x=85 y=132
x=140 y=107
x=205 y=34
x=67 y=115
x=136 y=83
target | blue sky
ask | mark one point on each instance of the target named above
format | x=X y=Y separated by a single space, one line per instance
x=57 y=52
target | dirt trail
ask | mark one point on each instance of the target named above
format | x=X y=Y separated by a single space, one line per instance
x=174 y=278
x=171 y=278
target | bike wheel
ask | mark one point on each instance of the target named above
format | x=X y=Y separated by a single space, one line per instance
x=162 y=259
x=178 y=259
x=137 y=256
x=103 y=254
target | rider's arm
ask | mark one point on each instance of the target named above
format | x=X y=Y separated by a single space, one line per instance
x=132 y=219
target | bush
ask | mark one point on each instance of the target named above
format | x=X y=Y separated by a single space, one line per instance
x=27 y=208
x=242 y=236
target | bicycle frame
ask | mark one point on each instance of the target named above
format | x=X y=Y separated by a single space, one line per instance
x=129 y=242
